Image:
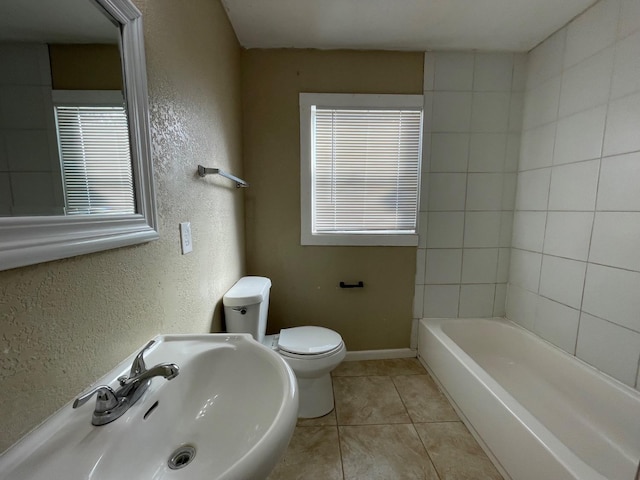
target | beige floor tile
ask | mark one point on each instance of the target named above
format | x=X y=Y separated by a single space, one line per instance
x=368 y=400
x=328 y=419
x=313 y=452
x=384 y=452
x=455 y=453
x=392 y=366
x=423 y=399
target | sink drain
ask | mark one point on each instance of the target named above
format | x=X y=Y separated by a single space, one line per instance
x=182 y=457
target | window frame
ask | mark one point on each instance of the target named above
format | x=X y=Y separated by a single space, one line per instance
x=356 y=101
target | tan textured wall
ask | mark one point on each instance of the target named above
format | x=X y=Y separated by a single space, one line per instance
x=305 y=279
x=85 y=67
x=65 y=323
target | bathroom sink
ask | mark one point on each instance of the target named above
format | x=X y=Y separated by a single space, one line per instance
x=229 y=414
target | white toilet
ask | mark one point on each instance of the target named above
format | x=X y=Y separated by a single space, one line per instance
x=311 y=352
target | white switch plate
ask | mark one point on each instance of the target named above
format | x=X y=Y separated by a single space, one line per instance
x=185 y=237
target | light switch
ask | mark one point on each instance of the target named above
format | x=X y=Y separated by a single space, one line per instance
x=185 y=237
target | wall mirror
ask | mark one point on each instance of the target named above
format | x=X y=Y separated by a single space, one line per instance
x=75 y=157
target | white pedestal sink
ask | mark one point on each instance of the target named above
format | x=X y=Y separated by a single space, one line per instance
x=235 y=403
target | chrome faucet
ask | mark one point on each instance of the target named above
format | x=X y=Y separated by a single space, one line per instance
x=111 y=404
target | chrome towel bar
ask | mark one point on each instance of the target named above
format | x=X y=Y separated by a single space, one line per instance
x=203 y=172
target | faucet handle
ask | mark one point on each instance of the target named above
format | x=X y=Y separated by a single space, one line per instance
x=138 y=366
x=106 y=398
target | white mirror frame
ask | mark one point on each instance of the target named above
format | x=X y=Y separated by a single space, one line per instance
x=30 y=240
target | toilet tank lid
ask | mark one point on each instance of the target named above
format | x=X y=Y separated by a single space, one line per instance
x=247 y=291
x=309 y=340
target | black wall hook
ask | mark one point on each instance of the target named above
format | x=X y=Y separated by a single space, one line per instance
x=360 y=284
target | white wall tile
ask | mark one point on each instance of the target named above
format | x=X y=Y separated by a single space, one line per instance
x=487 y=152
x=509 y=191
x=557 y=323
x=528 y=230
x=579 y=136
x=441 y=301
x=521 y=306
x=532 y=191
x=586 y=84
x=574 y=186
x=516 y=110
x=504 y=256
x=506 y=229
x=592 y=31
x=418 y=301
x=493 y=72
x=429 y=71
x=4 y=162
x=562 y=280
x=449 y=152
x=623 y=125
x=629 y=18
x=421 y=256
x=513 y=152
x=479 y=265
x=619 y=186
x=524 y=269
x=445 y=230
x=451 y=112
x=612 y=294
x=484 y=191
x=541 y=104
x=519 y=72
x=626 y=70
x=34 y=192
x=476 y=300
x=567 y=234
x=28 y=150
x=482 y=229
x=500 y=300
x=25 y=107
x=5 y=190
x=598 y=338
x=537 y=147
x=423 y=223
x=454 y=71
x=490 y=112
x=546 y=60
x=443 y=266
x=616 y=240
x=447 y=191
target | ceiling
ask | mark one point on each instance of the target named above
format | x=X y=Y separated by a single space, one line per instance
x=418 y=25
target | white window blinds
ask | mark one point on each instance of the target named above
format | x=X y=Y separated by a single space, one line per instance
x=96 y=159
x=365 y=170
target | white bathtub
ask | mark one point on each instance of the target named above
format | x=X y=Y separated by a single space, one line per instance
x=540 y=413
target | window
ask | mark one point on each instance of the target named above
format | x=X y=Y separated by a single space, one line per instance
x=93 y=141
x=360 y=168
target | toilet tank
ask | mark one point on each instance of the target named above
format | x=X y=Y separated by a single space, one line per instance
x=246 y=305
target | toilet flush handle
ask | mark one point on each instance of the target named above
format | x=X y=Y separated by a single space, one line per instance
x=242 y=310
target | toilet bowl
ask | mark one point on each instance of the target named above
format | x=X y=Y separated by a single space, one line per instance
x=311 y=352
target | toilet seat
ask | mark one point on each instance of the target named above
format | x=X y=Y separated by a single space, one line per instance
x=305 y=342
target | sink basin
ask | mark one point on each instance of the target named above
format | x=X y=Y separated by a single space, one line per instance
x=234 y=403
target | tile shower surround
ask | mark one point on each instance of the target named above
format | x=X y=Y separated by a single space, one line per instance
x=390 y=422
x=565 y=231
x=575 y=264
x=473 y=113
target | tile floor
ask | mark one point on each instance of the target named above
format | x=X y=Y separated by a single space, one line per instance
x=390 y=423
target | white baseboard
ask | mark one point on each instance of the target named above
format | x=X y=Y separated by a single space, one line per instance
x=380 y=354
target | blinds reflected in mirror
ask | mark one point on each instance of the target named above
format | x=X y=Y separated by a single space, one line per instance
x=96 y=159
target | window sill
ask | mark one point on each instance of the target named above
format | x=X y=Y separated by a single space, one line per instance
x=363 y=240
